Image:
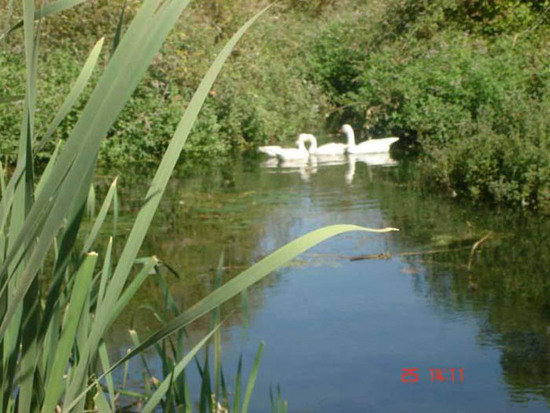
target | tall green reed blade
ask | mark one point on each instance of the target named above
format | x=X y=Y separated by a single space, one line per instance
x=132 y=288
x=105 y=272
x=63 y=259
x=47 y=170
x=252 y=378
x=105 y=364
x=225 y=393
x=100 y=402
x=74 y=94
x=178 y=369
x=90 y=202
x=217 y=337
x=55 y=383
x=238 y=381
x=148 y=372
x=48 y=10
x=118 y=32
x=2 y=179
x=101 y=215
x=205 y=403
x=19 y=335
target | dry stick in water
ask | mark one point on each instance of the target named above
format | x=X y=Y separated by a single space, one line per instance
x=476 y=246
x=387 y=256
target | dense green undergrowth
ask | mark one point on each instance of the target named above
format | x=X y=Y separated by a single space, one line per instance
x=465 y=82
x=263 y=97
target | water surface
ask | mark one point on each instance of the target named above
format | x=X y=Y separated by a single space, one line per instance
x=339 y=332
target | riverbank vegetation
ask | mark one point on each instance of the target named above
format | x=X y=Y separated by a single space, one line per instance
x=463 y=82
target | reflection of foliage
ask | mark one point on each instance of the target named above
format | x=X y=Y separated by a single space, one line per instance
x=205 y=212
x=511 y=272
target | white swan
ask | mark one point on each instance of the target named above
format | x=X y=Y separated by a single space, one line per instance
x=294 y=154
x=270 y=150
x=327 y=149
x=370 y=146
x=273 y=150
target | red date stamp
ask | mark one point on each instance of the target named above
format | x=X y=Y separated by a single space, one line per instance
x=452 y=375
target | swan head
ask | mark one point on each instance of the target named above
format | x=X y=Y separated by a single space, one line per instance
x=346 y=128
x=303 y=137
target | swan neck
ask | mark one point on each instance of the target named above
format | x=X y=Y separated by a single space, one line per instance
x=351 y=137
x=313 y=146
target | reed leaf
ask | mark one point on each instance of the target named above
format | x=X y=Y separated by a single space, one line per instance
x=47 y=10
x=252 y=378
x=102 y=214
x=105 y=364
x=54 y=384
x=178 y=369
x=238 y=381
x=74 y=94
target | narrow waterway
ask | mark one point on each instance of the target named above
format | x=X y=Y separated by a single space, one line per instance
x=339 y=333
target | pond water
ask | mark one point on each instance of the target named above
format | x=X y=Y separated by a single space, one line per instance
x=339 y=333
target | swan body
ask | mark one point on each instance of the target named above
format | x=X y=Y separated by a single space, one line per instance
x=325 y=150
x=270 y=150
x=294 y=154
x=370 y=146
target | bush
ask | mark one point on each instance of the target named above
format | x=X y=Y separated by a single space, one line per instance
x=264 y=97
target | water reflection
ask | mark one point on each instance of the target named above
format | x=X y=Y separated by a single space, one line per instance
x=375 y=159
x=345 y=330
x=307 y=167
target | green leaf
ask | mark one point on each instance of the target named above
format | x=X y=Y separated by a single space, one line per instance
x=100 y=219
x=238 y=381
x=74 y=93
x=105 y=364
x=55 y=382
x=118 y=31
x=252 y=378
x=48 y=10
x=156 y=397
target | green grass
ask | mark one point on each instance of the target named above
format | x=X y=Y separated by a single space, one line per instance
x=58 y=296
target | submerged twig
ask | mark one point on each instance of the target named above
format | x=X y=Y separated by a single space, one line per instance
x=387 y=255
x=476 y=246
x=381 y=256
